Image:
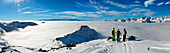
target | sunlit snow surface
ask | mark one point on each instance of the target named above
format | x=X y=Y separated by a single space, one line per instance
x=155 y=37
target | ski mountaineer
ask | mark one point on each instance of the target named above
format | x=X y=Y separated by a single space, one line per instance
x=118 y=35
x=113 y=34
x=124 y=34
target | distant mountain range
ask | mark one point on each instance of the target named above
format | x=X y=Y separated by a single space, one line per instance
x=62 y=20
x=133 y=20
x=145 y=20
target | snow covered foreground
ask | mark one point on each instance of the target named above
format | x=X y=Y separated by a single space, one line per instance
x=154 y=37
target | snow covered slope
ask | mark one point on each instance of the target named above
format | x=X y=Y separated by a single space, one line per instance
x=153 y=36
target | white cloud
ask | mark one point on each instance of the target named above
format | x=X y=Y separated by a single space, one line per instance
x=28 y=12
x=120 y=5
x=71 y=13
x=68 y=16
x=109 y=12
x=92 y=14
x=160 y=3
x=96 y=16
x=98 y=6
x=137 y=1
x=92 y=4
x=41 y=15
x=139 y=11
x=82 y=5
x=73 y=17
x=116 y=4
x=23 y=9
x=80 y=14
x=133 y=12
x=148 y=2
x=167 y=3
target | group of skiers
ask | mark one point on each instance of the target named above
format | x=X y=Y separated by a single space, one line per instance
x=118 y=34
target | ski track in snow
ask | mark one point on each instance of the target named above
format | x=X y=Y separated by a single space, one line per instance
x=110 y=47
x=129 y=48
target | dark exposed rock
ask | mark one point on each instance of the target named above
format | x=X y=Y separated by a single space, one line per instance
x=55 y=48
x=71 y=45
x=11 y=49
x=109 y=38
x=4 y=48
x=16 y=51
x=132 y=38
x=42 y=22
x=41 y=50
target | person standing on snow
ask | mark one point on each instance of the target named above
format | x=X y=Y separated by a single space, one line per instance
x=124 y=34
x=113 y=34
x=118 y=35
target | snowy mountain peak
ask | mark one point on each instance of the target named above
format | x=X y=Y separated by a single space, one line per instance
x=84 y=28
x=84 y=34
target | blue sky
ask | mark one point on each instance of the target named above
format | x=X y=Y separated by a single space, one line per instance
x=82 y=9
